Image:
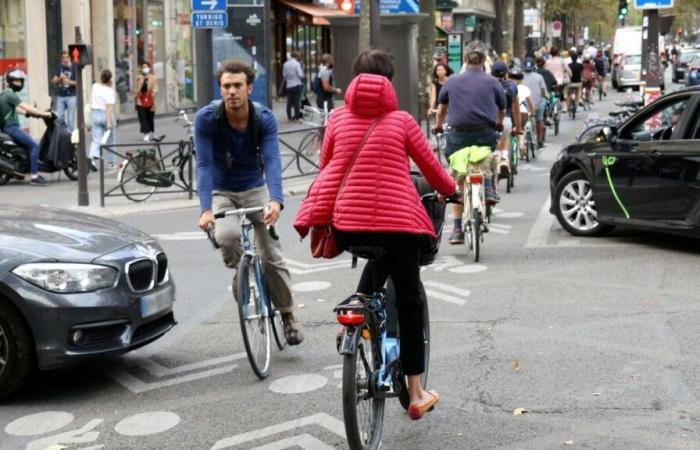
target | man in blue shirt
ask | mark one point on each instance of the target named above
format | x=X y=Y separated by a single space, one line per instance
x=65 y=81
x=477 y=107
x=237 y=154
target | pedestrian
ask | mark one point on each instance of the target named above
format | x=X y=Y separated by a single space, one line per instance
x=538 y=89
x=145 y=96
x=328 y=88
x=377 y=204
x=9 y=104
x=102 y=119
x=477 y=107
x=440 y=74
x=65 y=82
x=237 y=156
x=293 y=76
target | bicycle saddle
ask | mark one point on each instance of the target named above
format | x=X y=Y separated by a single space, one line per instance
x=158 y=139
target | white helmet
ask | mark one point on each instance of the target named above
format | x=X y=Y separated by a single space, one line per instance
x=14 y=79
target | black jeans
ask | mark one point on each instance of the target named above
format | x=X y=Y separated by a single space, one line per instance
x=293 y=101
x=146 y=117
x=324 y=99
x=401 y=261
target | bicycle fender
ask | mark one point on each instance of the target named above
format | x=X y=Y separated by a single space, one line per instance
x=348 y=343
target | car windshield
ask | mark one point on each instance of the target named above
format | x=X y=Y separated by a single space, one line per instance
x=685 y=57
x=633 y=60
x=660 y=118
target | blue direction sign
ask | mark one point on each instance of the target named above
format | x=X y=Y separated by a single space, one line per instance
x=214 y=19
x=208 y=5
x=653 y=4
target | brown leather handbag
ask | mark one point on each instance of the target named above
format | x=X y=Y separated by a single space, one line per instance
x=323 y=243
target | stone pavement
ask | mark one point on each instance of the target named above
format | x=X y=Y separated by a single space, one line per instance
x=63 y=193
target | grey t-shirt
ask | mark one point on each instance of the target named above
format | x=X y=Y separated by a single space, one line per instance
x=536 y=83
x=326 y=74
x=474 y=98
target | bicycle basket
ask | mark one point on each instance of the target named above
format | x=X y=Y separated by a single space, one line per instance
x=436 y=213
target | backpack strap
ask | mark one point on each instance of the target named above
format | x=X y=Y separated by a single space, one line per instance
x=253 y=127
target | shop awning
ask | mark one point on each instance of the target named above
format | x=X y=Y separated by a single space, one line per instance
x=317 y=13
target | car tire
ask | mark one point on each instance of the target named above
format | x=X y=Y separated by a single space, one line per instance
x=16 y=350
x=573 y=187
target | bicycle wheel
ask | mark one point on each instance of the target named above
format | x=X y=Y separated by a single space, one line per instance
x=403 y=392
x=476 y=230
x=131 y=188
x=72 y=170
x=528 y=138
x=362 y=413
x=533 y=149
x=468 y=221
x=556 y=124
x=254 y=318
x=310 y=148
x=184 y=173
x=278 y=330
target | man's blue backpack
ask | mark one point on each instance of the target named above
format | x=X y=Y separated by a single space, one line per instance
x=316 y=86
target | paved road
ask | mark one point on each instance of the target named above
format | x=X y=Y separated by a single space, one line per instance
x=595 y=338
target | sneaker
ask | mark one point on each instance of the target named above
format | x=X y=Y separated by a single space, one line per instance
x=457 y=237
x=292 y=329
x=146 y=137
x=93 y=164
x=38 y=181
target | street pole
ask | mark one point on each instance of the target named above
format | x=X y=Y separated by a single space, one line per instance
x=650 y=48
x=374 y=24
x=83 y=194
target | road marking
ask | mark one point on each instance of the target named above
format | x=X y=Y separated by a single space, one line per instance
x=530 y=167
x=469 y=268
x=322 y=419
x=182 y=236
x=302 y=268
x=159 y=371
x=298 y=384
x=445 y=288
x=39 y=423
x=445 y=262
x=540 y=229
x=311 y=286
x=84 y=435
x=303 y=441
x=509 y=215
x=499 y=228
x=147 y=423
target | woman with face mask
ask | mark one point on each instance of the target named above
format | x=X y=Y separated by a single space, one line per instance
x=145 y=96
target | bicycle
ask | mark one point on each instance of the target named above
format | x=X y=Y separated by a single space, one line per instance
x=530 y=145
x=144 y=172
x=553 y=111
x=255 y=310
x=370 y=344
x=475 y=211
x=513 y=160
x=573 y=91
x=311 y=144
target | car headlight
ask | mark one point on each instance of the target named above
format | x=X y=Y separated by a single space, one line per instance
x=67 y=278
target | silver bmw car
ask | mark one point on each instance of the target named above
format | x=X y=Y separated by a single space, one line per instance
x=74 y=286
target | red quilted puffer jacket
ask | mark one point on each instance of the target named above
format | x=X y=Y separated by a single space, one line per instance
x=379 y=194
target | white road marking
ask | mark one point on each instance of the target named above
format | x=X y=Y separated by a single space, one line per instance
x=147 y=423
x=498 y=230
x=298 y=384
x=509 y=215
x=540 y=229
x=311 y=286
x=159 y=371
x=39 y=423
x=138 y=386
x=445 y=262
x=322 y=419
x=469 y=268
x=83 y=435
x=303 y=441
x=302 y=268
x=182 y=236
x=432 y=293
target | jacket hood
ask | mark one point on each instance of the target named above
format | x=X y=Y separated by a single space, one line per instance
x=371 y=95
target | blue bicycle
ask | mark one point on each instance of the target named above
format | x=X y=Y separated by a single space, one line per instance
x=257 y=315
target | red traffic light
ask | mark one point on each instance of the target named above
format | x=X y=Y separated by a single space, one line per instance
x=80 y=54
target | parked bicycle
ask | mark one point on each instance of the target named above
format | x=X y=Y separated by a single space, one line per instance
x=258 y=318
x=142 y=173
x=309 y=149
x=594 y=125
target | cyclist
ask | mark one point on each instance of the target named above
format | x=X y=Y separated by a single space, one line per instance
x=237 y=154
x=601 y=69
x=477 y=107
x=527 y=106
x=511 y=122
x=379 y=205
x=576 y=70
x=9 y=104
x=552 y=87
x=558 y=68
x=538 y=90
x=588 y=77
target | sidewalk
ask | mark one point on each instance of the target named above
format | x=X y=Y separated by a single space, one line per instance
x=63 y=192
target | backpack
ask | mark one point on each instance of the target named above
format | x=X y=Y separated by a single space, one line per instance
x=316 y=86
x=253 y=127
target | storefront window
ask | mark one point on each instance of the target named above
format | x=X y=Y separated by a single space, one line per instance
x=182 y=64
x=12 y=39
x=125 y=53
x=155 y=48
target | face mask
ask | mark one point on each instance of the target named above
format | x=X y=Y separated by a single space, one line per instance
x=145 y=71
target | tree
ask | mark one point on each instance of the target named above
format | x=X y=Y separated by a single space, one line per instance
x=363 y=28
x=426 y=44
x=518 y=29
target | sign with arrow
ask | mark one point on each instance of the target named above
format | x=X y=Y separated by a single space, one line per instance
x=208 y=5
x=209 y=14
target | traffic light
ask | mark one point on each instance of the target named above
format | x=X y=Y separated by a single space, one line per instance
x=623 y=9
x=80 y=54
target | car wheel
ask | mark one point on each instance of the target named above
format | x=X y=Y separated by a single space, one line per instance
x=575 y=207
x=16 y=351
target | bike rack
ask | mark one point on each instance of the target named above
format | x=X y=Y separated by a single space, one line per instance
x=296 y=152
x=184 y=146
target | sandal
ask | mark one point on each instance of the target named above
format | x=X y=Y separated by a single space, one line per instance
x=292 y=330
x=415 y=412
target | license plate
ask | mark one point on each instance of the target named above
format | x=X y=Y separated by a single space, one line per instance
x=155 y=303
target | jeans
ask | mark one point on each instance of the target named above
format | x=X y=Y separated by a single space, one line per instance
x=99 y=127
x=65 y=106
x=457 y=140
x=293 y=100
x=25 y=141
x=228 y=234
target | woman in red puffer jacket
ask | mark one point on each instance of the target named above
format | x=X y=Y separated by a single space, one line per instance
x=379 y=205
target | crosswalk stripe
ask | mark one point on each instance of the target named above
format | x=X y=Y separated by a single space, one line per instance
x=445 y=297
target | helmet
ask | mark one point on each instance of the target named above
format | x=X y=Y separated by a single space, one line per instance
x=499 y=69
x=515 y=73
x=529 y=65
x=14 y=79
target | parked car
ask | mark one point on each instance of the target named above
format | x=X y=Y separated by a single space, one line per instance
x=75 y=286
x=693 y=74
x=628 y=72
x=680 y=65
x=645 y=174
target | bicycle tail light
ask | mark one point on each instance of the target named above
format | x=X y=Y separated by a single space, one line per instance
x=350 y=318
x=476 y=178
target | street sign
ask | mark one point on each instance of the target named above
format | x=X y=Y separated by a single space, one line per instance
x=653 y=4
x=208 y=5
x=214 y=19
x=556 y=29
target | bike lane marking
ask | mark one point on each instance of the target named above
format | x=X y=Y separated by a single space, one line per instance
x=147 y=423
x=442 y=288
x=298 y=384
x=39 y=423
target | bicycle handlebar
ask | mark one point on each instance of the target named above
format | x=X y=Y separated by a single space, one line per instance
x=245 y=211
x=454 y=198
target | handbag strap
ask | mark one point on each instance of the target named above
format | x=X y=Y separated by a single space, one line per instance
x=354 y=158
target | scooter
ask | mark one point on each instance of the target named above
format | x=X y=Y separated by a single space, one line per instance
x=14 y=159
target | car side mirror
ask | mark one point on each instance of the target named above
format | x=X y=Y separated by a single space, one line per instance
x=607 y=134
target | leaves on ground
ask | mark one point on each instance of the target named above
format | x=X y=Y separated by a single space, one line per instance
x=519 y=411
x=516 y=364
